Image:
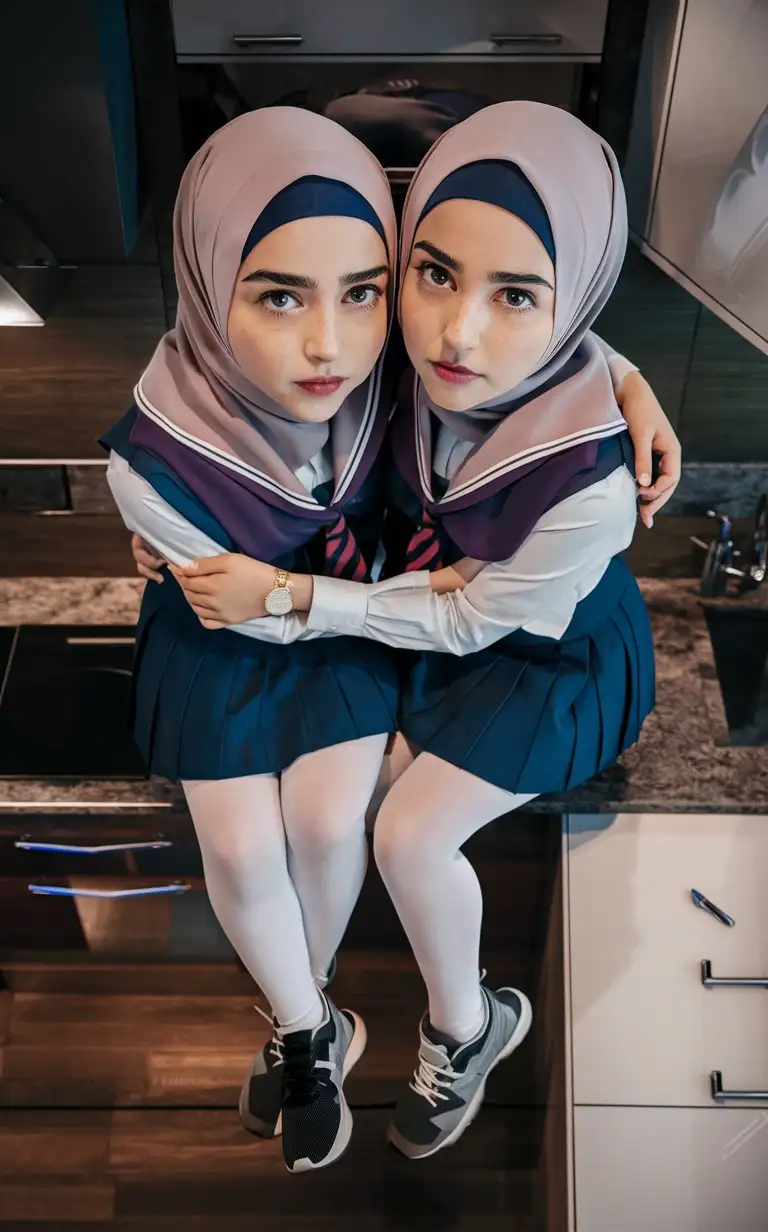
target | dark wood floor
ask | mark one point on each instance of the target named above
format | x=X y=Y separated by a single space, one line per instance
x=120 y=1079
x=119 y=1109
x=200 y=1170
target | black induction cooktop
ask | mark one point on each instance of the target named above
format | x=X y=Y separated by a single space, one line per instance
x=64 y=702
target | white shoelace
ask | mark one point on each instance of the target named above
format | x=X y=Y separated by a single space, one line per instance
x=275 y=1046
x=428 y=1080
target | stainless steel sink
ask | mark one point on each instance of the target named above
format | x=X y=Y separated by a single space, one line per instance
x=739 y=637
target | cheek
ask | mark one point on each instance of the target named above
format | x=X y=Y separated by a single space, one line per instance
x=417 y=322
x=366 y=334
x=519 y=344
x=259 y=351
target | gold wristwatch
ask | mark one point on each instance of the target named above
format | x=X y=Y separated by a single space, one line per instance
x=279 y=600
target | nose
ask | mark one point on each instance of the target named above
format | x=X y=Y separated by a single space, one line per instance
x=462 y=331
x=322 y=345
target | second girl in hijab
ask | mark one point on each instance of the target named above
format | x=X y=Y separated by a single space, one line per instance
x=512 y=474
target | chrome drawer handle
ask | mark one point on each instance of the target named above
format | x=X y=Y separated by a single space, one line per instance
x=267 y=40
x=75 y=849
x=724 y=981
x=700 y=900
x=718 y=1094
x=67 y=892
x=513 y=40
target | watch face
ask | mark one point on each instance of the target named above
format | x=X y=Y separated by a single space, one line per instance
x=279 y=601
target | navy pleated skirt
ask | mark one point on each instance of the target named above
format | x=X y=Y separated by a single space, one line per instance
x=534 y=715
x=213 y=704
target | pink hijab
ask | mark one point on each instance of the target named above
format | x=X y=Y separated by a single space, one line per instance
x=576 y=175
x=193 y=387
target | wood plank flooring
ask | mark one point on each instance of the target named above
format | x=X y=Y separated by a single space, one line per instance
x=119 y=1084
x=169 y=1169
x=118 y=1110
x=109 y=1049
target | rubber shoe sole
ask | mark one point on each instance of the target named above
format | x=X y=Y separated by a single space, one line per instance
x=413 y=1150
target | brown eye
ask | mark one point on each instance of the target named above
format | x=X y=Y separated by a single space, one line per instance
x=434 y=275
x=513 y=297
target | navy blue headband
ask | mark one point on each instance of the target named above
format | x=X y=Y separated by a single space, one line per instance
x=497 y=183
x=312 y=196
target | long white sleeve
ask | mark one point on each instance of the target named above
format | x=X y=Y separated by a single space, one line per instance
x=537 y=589
x=177 y=540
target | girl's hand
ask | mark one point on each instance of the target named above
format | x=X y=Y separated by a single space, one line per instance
x=225 y=590
x=455 y=577
x=147 y=560
x=651 y=432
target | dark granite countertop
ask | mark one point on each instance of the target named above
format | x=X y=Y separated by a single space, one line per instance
x=682 y=763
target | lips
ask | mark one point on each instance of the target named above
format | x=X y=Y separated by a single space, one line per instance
x=455 y=374
x=322 y=386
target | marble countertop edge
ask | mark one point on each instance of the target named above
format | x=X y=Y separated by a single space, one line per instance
x=683 y=762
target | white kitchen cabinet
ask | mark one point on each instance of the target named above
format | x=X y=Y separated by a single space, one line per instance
x=645 y=1030
x=671 y=1169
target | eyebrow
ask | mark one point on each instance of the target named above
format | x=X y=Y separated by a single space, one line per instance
x=310 y=284
x=499 y=276
x=440 y=256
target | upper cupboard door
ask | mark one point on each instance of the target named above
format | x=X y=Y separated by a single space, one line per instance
x=390 y=30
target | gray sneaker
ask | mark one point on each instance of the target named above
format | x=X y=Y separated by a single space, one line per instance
x=317 y=1122
x=447 y=1088
x=262 y=1092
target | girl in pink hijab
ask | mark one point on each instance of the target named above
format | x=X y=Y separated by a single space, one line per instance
x=511 y=499
x=256 y=430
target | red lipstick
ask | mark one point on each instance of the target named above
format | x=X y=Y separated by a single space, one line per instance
x=457 y=374
x=321 y=386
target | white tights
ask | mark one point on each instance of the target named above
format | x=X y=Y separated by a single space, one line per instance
x=429 y=812
x=284 y=860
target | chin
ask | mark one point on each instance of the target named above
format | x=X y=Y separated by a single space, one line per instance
x=309 y=409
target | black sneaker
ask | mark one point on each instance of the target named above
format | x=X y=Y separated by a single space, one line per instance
x=317 y=1122
x=262 y=1092
x=447 y=1088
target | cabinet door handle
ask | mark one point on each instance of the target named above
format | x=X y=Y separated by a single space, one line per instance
x=700 y=900
x=514 y=40
x=719 y=1095
x=267 y=40
x=143 y=892
x=726 y=981
x=25 y=844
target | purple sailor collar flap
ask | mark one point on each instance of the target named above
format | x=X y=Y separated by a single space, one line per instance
x=353 y=457
x=572 y=413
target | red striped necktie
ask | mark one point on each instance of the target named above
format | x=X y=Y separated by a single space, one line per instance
x=343 y=557
x=425 y=550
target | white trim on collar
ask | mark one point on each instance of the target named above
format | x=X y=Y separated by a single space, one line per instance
x=533 y=454
x=302 y=501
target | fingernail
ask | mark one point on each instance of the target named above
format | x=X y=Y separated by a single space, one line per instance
x=644 y=480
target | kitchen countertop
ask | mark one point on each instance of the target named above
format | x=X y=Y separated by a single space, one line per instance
x=682 y=763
